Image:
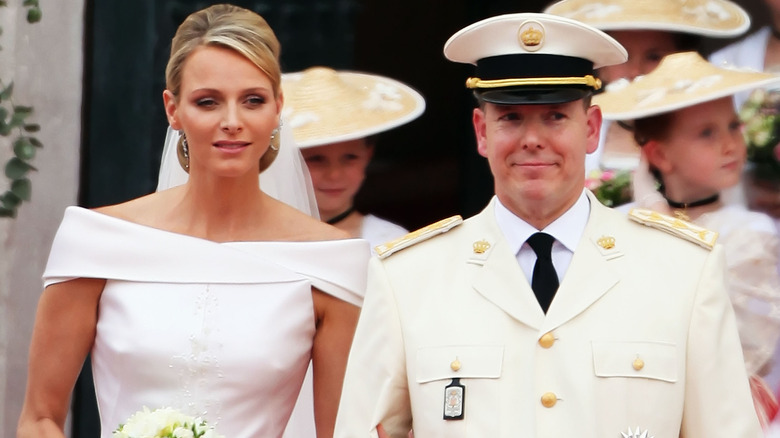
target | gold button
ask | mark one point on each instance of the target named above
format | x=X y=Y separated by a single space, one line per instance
x=549 y=399
x=455 y=365
x=638 y=364
x=547 y=340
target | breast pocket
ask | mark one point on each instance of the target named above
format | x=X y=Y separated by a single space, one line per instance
x=459 y=361
x=477 y=369
x=647 y=359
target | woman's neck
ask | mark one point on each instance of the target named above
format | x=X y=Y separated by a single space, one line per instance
x=223 y=210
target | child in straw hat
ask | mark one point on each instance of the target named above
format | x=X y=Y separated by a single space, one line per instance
x=649 y=30
x=335 y=116
x=683 y=117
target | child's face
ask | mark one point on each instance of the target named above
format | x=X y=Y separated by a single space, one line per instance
x=645 y=50
x=704 y=151
x=337 y=172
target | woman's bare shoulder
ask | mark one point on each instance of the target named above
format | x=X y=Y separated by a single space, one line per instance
x=145 y=210
x=299 y=226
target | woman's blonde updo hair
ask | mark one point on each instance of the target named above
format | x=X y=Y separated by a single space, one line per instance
x=234 y=28
x=227 y=26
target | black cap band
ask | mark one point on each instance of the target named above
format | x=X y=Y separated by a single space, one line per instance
x=532 y=65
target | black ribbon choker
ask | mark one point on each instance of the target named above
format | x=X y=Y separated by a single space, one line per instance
x=685 y=205
x=340 y=217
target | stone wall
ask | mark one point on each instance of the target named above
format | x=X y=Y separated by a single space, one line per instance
x=45 y=62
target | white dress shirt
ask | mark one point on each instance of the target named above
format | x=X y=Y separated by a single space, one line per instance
x=567 y=231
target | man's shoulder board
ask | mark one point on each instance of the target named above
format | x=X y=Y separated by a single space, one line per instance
x=675 y=226
x=386 y=249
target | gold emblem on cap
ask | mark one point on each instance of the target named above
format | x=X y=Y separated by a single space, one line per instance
x=455 y=365
x=606 y=242
x=531 y=35
x=638 y=364
x=480 y=246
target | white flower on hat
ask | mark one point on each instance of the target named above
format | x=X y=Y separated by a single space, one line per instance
x=618 y=85
x=383 y=97
x=709 y=9
x=302 y=119
x=703 y=83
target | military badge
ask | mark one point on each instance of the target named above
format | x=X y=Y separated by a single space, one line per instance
x=453 y=400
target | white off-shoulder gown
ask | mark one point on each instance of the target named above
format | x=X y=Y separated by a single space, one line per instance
x=218 y=330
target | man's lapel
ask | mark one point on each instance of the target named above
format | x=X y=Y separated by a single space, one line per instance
x=498 y=277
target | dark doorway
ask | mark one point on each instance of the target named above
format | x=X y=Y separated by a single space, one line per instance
x=422 y=172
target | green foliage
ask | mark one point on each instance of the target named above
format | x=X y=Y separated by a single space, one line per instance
x=14 y=125
x=612 y=188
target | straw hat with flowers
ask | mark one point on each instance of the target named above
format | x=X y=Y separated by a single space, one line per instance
x=324 y=106
x=680 y=80
x=713 y=18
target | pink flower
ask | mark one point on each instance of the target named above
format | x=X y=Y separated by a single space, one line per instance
x=592 y=184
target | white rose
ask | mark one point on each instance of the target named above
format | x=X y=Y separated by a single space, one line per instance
x=181 y=432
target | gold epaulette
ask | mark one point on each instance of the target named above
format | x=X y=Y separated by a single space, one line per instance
x=675 y=226
x=386 y=249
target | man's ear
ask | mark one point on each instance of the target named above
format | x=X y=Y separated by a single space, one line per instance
x=594 y=119
x=480 y=130
x=169 y=101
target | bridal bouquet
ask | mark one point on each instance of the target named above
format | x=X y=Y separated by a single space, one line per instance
x=164 y=423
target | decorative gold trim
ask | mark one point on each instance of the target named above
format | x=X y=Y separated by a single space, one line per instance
x=675 y=226
x=386 y=249
x=588 y=80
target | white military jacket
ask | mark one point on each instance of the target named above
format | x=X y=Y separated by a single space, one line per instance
x=640 y=337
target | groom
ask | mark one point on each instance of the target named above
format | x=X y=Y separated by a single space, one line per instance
x=548 y=314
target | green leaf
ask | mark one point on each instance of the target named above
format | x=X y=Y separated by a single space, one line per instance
x=7 y=212
x=7 y=91
x=22 y=188
x=34 y=15
x=24 y=149
x=20 y=109
x=5 y=128
x=3 y=114
x=32 y=127
x=17 y=119
x=3 y=3
x=35 y=142
x=30 y=3
x=9 y=200
x=16 y=168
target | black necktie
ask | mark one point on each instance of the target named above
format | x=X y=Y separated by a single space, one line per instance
x=545 y=280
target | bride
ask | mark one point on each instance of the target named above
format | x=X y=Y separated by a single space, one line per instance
x=210 y=297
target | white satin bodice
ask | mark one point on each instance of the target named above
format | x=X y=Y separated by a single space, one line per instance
x=218 y=330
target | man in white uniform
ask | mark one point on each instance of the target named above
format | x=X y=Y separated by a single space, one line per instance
x=547 y=314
